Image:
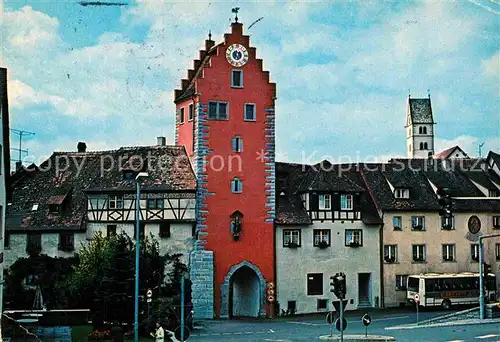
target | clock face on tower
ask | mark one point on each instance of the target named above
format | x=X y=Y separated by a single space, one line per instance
x=237 y=55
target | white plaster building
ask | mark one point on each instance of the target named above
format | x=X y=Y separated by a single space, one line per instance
x=326 y=223
x=419 y=128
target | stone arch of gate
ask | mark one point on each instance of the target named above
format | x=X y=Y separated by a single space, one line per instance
x=224 y=310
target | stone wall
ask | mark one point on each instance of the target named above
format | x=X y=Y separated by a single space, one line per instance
x=202 y=277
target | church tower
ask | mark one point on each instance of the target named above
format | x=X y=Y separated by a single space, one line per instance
x=226 y=121
x=419 y=128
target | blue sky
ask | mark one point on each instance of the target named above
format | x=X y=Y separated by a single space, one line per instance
x=105 y=75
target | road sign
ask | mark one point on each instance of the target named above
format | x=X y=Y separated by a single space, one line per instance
x=366 y=319
x=177 y=333
x=330 y=317
x=149 y=300
x=416 y=297
x=336 y=305
x=149 y=293
x=344 y=324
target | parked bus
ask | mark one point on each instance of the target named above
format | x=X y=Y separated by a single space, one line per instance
x=447 y=289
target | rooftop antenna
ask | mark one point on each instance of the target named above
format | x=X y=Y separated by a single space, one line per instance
x=409 y=94
x=21 y=133
x=480 y=146
x=235 y=11
x=255 y=22
x=429 y=93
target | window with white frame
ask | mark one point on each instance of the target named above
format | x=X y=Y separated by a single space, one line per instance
x=236 y=185
x=447 y=223
x=115 y=202
x=325 y=202
x=497 y=251
x=496 y=221
x=401 y=193
x=237 y=78
x=190 y=112
x=345 y=202
x=474 y=252
x=291 y=236
x=418 y=252
x=354 y=237
x=397 y=223
x=448 y=252
x=237 y=144
x=401 y=280
x=418 y=223
x=321 y=237
x=250 y=112
x=391 y=253
x=217 y=110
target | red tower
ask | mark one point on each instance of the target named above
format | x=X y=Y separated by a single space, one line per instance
x=225 y=119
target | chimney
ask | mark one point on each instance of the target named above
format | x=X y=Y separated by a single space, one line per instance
x=82 y=147
x=161 y=141
x=19 y=165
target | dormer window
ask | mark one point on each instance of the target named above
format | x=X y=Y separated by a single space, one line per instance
x=346 y=202
x=129 y=175
x=54 y=208
x=325 y=202
x=401 y=193
x=493 y=193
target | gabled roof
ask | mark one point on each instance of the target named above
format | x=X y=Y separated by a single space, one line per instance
x=494 y=158
x=66 y=176
x=449 y=152
x=420 y=111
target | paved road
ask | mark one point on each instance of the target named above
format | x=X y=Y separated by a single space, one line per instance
x=309 y=328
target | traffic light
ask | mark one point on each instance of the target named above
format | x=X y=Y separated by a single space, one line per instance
x=333 y=284
x=445 y=201
x=338 y=285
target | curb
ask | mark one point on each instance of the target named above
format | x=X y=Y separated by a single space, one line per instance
x=447 y=324
x=358 y=338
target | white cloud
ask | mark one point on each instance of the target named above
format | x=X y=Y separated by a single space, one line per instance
x=469 y=144
x=22 y=95
x=491 y=67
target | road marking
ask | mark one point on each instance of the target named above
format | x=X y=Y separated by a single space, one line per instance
x=271 y=330
x=389 y=318
x=456 y=341
x=305 y=323
x=487 y=336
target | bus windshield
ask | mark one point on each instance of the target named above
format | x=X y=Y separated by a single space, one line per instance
x=413 y=284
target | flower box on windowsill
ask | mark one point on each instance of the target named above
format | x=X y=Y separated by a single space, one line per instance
x=323 y=244
x=390 y=260
x=418 y=227
x=447 y=227
x=448 y=259
x=292 y=245
x=354 y=244
x=418 y=260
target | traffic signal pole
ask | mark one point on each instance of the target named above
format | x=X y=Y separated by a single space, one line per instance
x=481 y=274
x=341 y=320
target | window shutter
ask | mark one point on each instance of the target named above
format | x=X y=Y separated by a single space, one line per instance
x=234 y=145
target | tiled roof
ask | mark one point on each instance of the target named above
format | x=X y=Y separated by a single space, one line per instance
x=495 y=157
x=421 y=111
x=294 y=179
x=66 y=176
x=448 y=152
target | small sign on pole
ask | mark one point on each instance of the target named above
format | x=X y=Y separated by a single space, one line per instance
x=149 y=293
x=366 y=319
x=416 y=297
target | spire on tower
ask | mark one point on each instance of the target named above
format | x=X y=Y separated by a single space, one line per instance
x=429 y=93
x=209 y=34
x=235 y=11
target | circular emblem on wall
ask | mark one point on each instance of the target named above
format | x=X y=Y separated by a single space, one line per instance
x=474 y=224
x=237 y=55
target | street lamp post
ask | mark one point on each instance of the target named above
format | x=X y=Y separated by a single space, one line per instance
x=137 y=241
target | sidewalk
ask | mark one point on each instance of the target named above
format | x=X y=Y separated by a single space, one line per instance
x=445 y=324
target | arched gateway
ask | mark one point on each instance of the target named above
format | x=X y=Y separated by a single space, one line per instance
x=243 y=292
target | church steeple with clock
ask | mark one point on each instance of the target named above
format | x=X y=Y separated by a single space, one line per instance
x=226 y=120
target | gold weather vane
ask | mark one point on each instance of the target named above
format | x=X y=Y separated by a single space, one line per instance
x=235 y=11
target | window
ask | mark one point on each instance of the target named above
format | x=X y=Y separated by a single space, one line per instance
x=390 y=253
x=181 y=115
x=474 y=251
x=236 y=185
x=111 y=230
x=421 y=146
x=6 y=240
x=497 y=251
x=426 y=147
x=66 y=242
x=493 y=193
x=291 y=236
x=291 y=306
x=321 y=237
x=190 y=112
x=496 y=221
x=354 y=237
x=321 y=304
x=217 y=110
x=250 y=112
x=449 y=252
x=237 y=79
x=165 y=230
x=237 y=144
x=325 y=202
x=115 y=202
x=397 y=223
x=53 y=208
x=417 y=223
x=401 y=193
x=142 y=230
x=315 y=284
x=447 y=223
x=401 y=280
x=418 y=252
x=346 y=202
x=34 y=242
x=155 y=203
